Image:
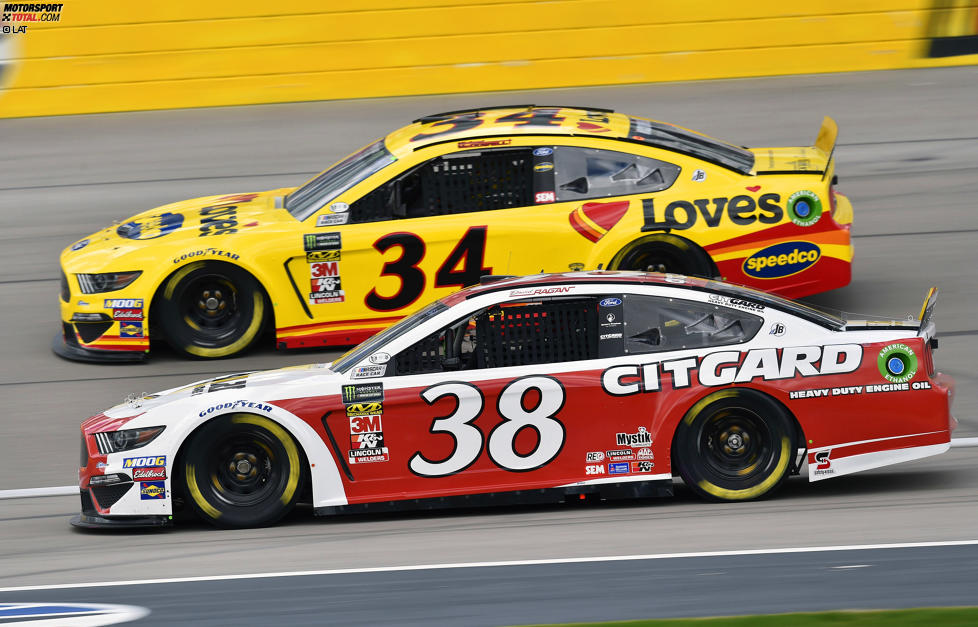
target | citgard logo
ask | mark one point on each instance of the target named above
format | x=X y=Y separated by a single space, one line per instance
x=781 y=260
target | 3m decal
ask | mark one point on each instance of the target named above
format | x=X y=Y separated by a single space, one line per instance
x=326 y=283
x=804 y=208
x=152 y=490
x=131 y=329
x=726 y=367
x=367 y=440
x=359 y=392
x=151 y=227
x=593 y=220
x=144 y=462
x=321 y=241
x=781 y=260
x=500 y=443
x=740 y=210
x=897 y=363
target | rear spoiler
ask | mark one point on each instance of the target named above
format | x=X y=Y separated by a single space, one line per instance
x=928 y=330
x=825 y=141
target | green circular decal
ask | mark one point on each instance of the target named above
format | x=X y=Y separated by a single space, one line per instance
x=897 y=363
x=804 y=208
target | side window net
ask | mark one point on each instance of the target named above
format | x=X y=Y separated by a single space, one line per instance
x=592 y=173
x=654 y=324
x=536 y=333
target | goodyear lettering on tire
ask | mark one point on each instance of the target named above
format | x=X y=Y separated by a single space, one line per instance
x=782 y=260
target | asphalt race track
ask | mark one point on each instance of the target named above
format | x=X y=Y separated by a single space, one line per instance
x=908 y=159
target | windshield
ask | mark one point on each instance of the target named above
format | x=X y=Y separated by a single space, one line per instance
x=690 y=143
x=308 y=199
x=391 y=333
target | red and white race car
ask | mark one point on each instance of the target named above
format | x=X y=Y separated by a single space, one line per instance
x=544 y=388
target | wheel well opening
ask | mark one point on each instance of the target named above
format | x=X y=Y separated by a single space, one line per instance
x=696 y=253
x=177 y=482
x=156 y=330
x=798 y=434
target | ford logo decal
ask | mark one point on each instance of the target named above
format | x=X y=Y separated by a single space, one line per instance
x=610 y=302
x=781 y=260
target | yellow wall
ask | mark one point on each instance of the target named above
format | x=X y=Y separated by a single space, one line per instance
x=110 y=55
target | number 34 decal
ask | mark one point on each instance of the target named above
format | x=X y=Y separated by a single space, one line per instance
x=501 y=446
x=470 y=252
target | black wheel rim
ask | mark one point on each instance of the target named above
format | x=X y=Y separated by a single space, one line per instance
x=210 y=308
x=736 y=445
x=656 y=261
x=245 y=469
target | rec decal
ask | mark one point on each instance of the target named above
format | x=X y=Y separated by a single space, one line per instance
x=781 y=260
x=726 y=367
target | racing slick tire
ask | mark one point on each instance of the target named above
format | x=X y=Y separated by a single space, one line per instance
x=734 y=445
x=211 y=310
x=242 y=470
x=664 y=253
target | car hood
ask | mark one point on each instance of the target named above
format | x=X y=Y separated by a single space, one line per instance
x=256 y=386
x=187 y=221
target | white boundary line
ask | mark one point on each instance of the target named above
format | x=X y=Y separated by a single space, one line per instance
x=538 y=562
x=72 y=490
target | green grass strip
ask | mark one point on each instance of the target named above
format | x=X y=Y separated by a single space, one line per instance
x=923 y=617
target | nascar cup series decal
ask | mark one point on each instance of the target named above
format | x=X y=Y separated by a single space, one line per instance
x=897 y=363
x=804 y=208
x=782 y=260
x=151 y=227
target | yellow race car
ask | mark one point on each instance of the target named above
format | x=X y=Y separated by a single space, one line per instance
x=440 y=203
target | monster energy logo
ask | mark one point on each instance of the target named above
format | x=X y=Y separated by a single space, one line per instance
x=362 y=393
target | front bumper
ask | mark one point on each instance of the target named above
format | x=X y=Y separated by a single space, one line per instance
x=63 y=346
x=94 y=521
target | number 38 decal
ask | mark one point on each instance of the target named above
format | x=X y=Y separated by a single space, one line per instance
x=502 y=439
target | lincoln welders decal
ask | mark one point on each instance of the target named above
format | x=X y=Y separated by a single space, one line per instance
x=781 y=260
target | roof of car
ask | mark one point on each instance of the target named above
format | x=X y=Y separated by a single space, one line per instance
x=490 y=127
x=621 y=277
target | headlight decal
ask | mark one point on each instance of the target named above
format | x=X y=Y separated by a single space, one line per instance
x=106 y=282
x=125 y=439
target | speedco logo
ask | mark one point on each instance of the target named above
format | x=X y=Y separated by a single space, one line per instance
x=781 y=260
